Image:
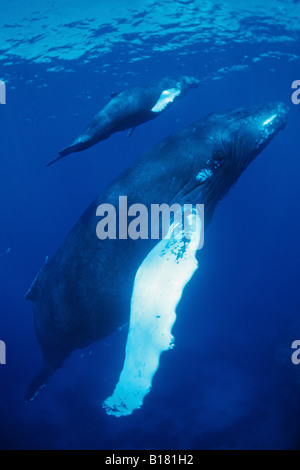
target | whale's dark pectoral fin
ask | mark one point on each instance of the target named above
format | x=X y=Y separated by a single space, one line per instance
x=131 y=131
x=38 y=383
x=31 y=293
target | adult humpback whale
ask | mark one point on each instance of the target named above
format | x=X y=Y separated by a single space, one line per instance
x=129 y=109
x=85 y=291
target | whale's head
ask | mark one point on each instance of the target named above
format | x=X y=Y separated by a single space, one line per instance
x=222 y=145
x=245 y=133
x=185 y=83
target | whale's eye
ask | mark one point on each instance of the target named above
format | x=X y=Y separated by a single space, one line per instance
x=218 y=159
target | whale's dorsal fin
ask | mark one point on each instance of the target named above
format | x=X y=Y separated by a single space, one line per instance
x=114 y=94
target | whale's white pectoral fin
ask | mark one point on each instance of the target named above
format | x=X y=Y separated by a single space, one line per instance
x=158 y=287
x=167 y=96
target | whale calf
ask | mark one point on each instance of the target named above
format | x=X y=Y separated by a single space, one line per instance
x=129 y=109
x=85 y=291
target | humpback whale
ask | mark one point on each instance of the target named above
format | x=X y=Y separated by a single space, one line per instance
x=129 y=109
x=90 y=287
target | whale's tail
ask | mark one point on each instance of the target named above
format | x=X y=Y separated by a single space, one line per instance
x=63 y=153
x=39 y=382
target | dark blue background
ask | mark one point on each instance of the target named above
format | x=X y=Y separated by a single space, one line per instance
x=229 y=382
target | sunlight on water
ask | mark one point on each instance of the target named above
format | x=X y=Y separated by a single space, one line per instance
x=43 y=31
x=158 y=287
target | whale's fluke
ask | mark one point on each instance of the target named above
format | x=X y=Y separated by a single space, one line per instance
x=56 y=160
x=63 y=153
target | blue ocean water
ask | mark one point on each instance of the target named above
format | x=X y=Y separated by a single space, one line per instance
x=229 y=382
